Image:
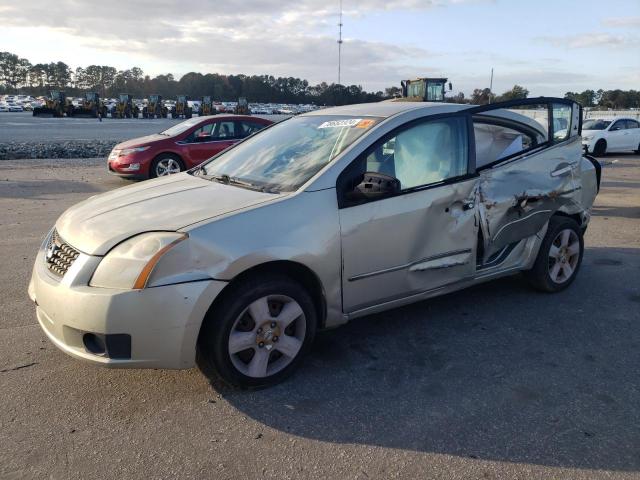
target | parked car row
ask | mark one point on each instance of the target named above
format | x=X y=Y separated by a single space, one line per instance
x=17 y=103
x=309 y=223
x=226 y=107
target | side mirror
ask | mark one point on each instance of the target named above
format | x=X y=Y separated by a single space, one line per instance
x=450 y=86
x=374 y=185
x=614 y=129
x=202 y=137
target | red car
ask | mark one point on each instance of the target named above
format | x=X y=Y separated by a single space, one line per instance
x=182 y=146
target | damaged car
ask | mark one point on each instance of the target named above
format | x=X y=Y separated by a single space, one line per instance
x=314 y=221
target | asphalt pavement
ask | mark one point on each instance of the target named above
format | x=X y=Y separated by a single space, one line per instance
x=497 y=381
x=24 y=127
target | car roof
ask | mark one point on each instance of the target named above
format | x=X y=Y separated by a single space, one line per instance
x=611 y=119
x=387 y=109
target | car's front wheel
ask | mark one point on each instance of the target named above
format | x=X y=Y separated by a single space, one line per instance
x=600 y=147
x=258 y=333
x=164 y=165
x=559 y=257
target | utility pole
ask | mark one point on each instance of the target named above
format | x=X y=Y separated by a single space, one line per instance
x=340 y=43
x=491 y=85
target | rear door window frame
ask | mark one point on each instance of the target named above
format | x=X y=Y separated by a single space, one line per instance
x=549 y=101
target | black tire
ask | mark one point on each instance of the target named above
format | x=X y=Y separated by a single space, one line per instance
x=540 y=276
x=600 y=147
x=213 y=355
x=637 y=151
x=164 y=156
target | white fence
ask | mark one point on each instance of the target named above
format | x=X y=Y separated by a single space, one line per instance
x=612 y=114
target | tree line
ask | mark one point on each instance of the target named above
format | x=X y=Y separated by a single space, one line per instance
x=19 y=75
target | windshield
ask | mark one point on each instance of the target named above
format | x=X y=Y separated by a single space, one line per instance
x=288 y=154
x=181 y=127
x=595 y=124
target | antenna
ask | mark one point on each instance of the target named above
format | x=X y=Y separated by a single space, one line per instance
x=340 y=43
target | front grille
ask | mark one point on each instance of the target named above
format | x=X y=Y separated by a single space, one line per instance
x=59 y=256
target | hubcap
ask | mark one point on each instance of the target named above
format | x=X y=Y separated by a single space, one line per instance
x=167 y=166
x=267 y=336
x=564 y=254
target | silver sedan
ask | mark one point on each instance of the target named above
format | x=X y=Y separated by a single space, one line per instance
x=319 y=219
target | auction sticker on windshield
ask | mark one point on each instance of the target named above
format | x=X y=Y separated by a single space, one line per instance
x=349 y=122
x=365 y=123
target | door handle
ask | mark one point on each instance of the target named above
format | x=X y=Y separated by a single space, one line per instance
x=562 y=171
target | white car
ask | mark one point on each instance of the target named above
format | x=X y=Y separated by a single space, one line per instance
x=600 y=136
x=4 y=108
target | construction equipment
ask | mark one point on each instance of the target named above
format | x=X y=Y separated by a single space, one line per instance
x=125 y=108
x=206 y=106
x=54 y=106
x=154 y=108
x=90 y=107
x=182 y=109
x=424 y=90
x=242 y=107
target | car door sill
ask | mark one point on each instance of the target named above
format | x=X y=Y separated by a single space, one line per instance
x=480 y=277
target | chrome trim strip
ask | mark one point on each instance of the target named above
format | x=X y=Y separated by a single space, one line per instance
x=407 y=265
x=562 y=171
x=180 y=142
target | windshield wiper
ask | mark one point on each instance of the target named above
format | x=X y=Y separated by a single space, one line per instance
x=227 y=180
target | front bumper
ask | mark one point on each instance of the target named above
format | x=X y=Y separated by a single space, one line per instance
x=122 y=166
x=126 y=174
x=162 y=322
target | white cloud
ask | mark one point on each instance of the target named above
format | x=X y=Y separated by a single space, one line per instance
x=622 y=22
x=592 y=40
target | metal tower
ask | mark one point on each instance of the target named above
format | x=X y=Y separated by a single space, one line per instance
x=340 y=44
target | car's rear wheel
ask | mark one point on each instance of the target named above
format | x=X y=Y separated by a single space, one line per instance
x=637 y=150
x=560 y=256
x=600 y=148
x=258 y=333
x=164 y=165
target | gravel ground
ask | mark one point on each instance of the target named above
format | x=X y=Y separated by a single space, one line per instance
x=493 y=382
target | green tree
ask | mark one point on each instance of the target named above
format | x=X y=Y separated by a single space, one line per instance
x=13 y=70
x=516 y=93
x=482 y=96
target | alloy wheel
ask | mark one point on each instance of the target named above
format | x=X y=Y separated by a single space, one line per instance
x=267 y=336
x=564 y=254
x=167 y=166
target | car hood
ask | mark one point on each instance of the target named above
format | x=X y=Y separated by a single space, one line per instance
x=141 y=141
x=165 y=204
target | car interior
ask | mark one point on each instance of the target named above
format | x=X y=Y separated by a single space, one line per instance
x=426 y=153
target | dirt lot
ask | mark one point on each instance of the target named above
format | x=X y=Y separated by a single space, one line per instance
x=493 y=382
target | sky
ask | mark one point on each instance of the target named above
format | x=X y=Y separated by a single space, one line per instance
x=548 y=46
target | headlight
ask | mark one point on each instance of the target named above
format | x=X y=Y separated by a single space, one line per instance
x=129 y=151
x=129 y=264
x=587 y=137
